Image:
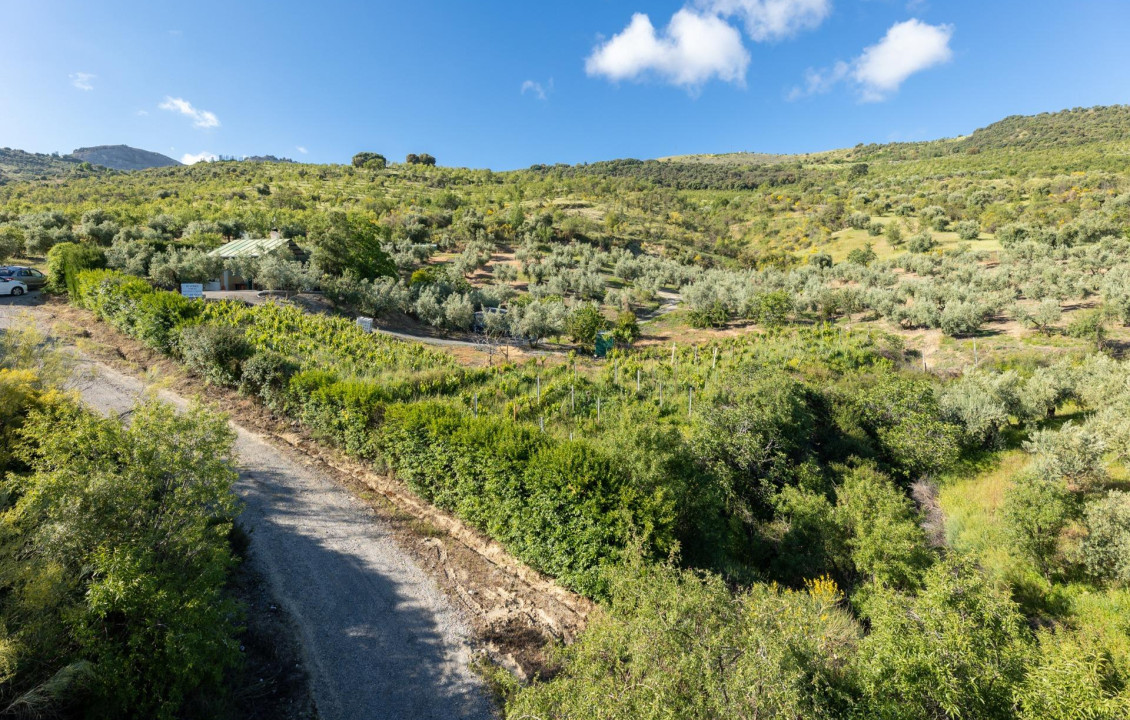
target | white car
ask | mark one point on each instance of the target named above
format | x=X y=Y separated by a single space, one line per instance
x=8 y=286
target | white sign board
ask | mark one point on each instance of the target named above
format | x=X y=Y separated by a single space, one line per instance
x=192 y=290
x=365 y=323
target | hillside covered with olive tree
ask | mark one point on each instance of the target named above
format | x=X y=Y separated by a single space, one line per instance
x=860 y=450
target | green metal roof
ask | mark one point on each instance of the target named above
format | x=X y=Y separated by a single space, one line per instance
x=250 y=247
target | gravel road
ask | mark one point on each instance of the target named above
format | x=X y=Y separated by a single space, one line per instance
x=381 y=640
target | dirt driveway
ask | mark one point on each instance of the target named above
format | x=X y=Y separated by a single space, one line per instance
x=381 y=639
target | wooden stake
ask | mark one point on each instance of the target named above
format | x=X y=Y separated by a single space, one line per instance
x=714 y=364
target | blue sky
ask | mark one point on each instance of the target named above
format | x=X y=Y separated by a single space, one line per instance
x=508 y=84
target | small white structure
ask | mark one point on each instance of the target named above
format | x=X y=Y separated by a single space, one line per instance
x=249 y=248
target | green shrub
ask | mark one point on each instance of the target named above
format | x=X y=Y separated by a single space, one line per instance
x=968 y=229
x=1106 y=550
x=957 y=649
x=345 y=412
x=267 y=375
x=157 y=317
x=902 y=414
x=116 y=560
x=885 y=537
x=583 y=323
x=922 y=242
x=863 y=256
x=66 y=260
x=677 y=644
x=112 y=296
x=567 y=508
x=714 y=315
x=215 y=352
x=1035 y=513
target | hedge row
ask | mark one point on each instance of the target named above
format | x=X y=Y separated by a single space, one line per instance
x=567 y=508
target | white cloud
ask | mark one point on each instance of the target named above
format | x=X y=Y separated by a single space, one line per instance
x=301 y=149
x=693 y=48
x=190 y=159
x=81 y=80
x=772 y=19
x=541 y=92
x=200 y=118
x=907 y=48
x=820 y=81
x=142 y=113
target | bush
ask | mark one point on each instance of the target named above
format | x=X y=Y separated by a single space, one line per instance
x=863 y=256
x=627 y=329
x=120 y=533
x=215 y=352
x=773 y=308
x=111 y=295
x=1035 y=512
x=267 y=374
x=956 y=650
x=583 y=323
x=344 y=412
x=886 y=540
x=903 y=416
x=157 y=316
x=1106 y=549
x=676 y=644
x=66 y=260
x=820 y=260
x=1089 y=325
x=922 y=242
x=968 y=229
x=713 y=315
x=566 y=507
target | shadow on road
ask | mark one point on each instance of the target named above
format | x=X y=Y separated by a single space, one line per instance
x=372 y=630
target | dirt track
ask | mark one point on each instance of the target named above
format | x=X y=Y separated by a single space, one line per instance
x=381 y=639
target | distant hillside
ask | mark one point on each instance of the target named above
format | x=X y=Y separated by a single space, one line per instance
x=19 y=165
x=1064 y=129
x=122 y=157
x=1080 y=126
x=16 y=165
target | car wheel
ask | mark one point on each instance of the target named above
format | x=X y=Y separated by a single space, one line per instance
x=17 y=291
